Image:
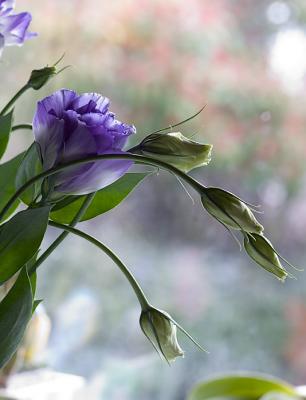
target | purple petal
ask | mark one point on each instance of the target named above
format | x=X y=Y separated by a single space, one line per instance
x=80 y=104
x=58 y=102
x=69 y=126
x=93 y=119
x=104 y=142
x=118 y=130
x=80 y=143
x=1 y=43
x=103 y=104
x=14 y=28
x=50 y=150
x=49 y=133
x=98 y=176
x=71 y=119
x=121 y=133
x=6 y=7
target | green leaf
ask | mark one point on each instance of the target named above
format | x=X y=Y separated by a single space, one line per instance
x=8 y=173
x=104 y=200
x=35 y=305
x=33 y=280
x=274 y=395
x=15 y=313
x=33 y=276
x=5 y=130
x=244 y=386
x=30 y=166
x=20 y=239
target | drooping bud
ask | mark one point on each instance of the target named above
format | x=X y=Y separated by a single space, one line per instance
x=175 y=149
x=39 y=77
x=230 y=210
x=161 y=331
x=261 y=250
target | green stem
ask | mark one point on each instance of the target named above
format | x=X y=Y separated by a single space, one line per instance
x=13 y=99
x=63 y=235
x=128 y=274
x=22 y=126
x=138 y=158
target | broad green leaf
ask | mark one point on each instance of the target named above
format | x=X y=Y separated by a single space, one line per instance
x=5 y=130
x=8 y=173
x=30 y=166
x=246 y=386
x=20 y=239
x=104 y=200
x=15 y=313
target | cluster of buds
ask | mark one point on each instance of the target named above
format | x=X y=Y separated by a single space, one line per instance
x=234 y=213
x=231 y=211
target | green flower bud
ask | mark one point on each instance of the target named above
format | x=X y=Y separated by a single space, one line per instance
x=39 y=77
x=175 y=149
x=230 y=210
x=161 y=331
x=261 y=250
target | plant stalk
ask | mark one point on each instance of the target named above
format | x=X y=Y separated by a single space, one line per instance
x=13 y=99
x=63 y=235
x=124 y=269
x=22 y=126
x=138 y=158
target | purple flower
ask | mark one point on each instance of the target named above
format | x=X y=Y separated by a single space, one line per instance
x=68 y=126
x=13 y=27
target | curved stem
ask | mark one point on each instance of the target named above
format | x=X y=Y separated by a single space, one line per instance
x=141 y=159
x=128 y=274
x=14 y=98
x=63 y=235
x=22 y=126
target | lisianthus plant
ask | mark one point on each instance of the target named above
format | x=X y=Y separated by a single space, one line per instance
x=79 y=166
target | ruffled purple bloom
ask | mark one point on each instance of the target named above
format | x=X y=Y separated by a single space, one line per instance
x=68 y=126
x=13 y=27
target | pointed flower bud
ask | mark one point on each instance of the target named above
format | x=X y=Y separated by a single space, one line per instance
x=230 y=210
x=161 y=331
x=261 y=250
x=160 y=328
x=175 y=149
x=39 y=77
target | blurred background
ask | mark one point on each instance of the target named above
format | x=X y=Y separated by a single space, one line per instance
x=159 y=62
